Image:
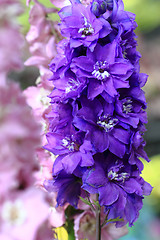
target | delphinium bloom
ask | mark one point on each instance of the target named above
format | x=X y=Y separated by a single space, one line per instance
x=20 y=136
x=9 y=29
x=96 y=123
x=20 y=200
x=42 y=38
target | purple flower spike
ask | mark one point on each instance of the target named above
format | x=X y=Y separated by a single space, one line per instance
x=98 y=115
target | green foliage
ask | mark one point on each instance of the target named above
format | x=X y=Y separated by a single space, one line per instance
x=111 y=220
x=69 y=224
x=70 y=230
x=151 y=174
x=147 y=13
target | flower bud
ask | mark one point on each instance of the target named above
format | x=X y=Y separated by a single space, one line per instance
x=99 y=7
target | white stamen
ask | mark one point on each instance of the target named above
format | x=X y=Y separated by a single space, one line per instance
x=99 y=70
x=87 y=30
x=118 y=177
x=107 y=124
x=72 y=85
x=127 y=106
x=68 y=144
x=112 y=174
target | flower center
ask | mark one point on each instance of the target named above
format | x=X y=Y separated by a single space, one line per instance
x=127 y=106
x=107 y=122
x=72 y=85
x=100 y=70
x=71 y=145
x=87 y=30
x=119 y=177
x=14 y=213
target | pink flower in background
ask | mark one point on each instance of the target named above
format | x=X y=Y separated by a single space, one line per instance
x=8 y=180
x=45 y=232
x=85 y=227
x=42 y=37
x=57 y=214
x=60 y=3
x=10 y=54
x=20 y=147
x=37 y=99
x=20 y=136
x=23 y=213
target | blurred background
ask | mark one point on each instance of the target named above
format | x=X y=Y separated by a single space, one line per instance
x=148 y=32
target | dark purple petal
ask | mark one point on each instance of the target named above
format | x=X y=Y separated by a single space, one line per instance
x=100 y=140
x=95 y=88
x=109 y=87
x=108 y=194
x=116 y=147
x=122 y=135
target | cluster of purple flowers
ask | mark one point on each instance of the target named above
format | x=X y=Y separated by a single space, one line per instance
x=98 y=110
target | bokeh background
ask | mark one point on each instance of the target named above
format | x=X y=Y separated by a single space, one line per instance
x=148 y=32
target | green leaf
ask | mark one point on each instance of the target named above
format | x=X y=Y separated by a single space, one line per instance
x=115 y=220
x=96 y=203
x=70 y=230
x=86 y=201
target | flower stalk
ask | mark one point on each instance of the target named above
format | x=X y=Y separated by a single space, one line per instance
x=98 y=221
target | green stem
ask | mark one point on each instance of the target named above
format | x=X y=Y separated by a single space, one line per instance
x=98 y=221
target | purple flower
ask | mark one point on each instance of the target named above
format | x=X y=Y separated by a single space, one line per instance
x=130 y=111
x=68 y=87
x=103 y=129
x=60 y=118
x=82 y=26
x=68 y=188
x=72 y=149
x=105 y=71
x=119 y=19
x=127 y=48
x=118 y=187
x=137 y=149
